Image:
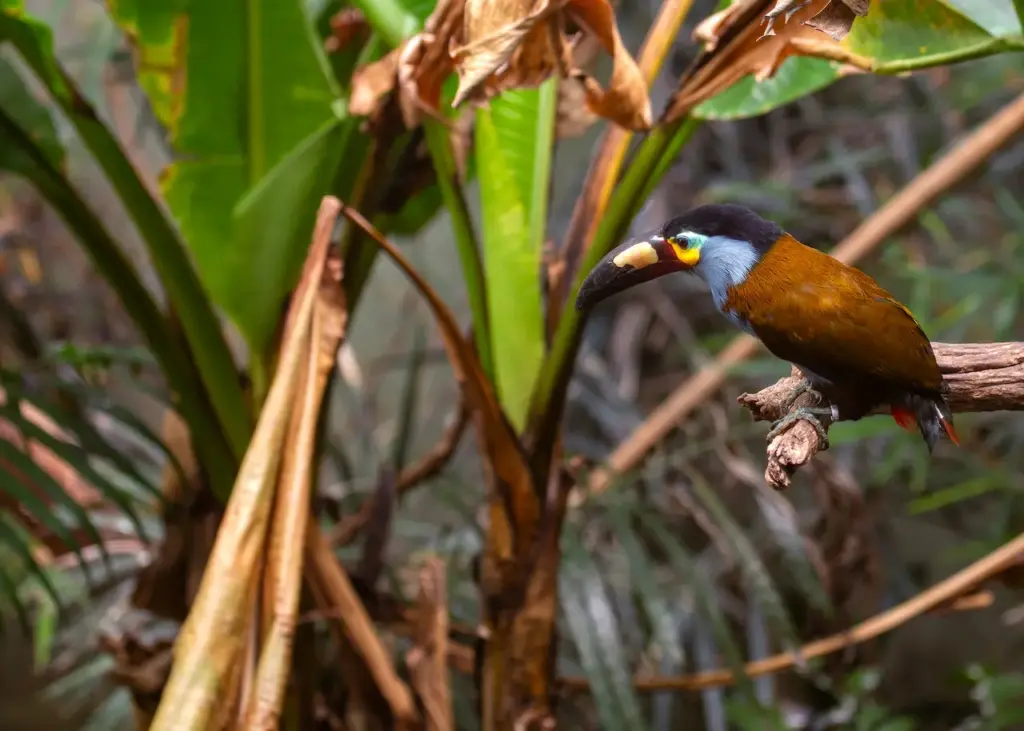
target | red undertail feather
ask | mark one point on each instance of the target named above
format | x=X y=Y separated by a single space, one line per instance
x=905 y=418
x=930 y=414
x=950 y=431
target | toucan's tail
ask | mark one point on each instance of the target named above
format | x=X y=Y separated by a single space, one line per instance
x=932 y=415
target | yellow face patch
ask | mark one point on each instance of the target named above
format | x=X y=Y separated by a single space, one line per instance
x=637 y=256
x=688 y=257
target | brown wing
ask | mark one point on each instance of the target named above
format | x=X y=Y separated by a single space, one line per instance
x=814 y=311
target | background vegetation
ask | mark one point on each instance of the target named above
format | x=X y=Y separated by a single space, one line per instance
x=162 y=167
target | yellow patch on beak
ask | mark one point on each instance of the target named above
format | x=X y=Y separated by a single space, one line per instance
x=686 y=257
x=637 y=256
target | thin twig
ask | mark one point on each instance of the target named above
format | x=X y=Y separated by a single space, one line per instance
x=334 y=588
x=941 y=596
x=900 y=210
x=429 y=465
x=428 y=659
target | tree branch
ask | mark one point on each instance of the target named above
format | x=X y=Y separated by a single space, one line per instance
x=979 y=376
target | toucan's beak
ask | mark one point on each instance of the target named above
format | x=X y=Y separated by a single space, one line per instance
x=638 y=260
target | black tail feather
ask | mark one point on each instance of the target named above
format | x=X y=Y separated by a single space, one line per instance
x=934 y=418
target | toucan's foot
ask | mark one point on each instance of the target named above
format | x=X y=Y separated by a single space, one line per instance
x=810 y=414
x=799 y=390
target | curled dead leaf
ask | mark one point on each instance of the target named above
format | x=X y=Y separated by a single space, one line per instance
x=508 y=43
x=347 y=25
x=626 y=101
x=497 y=45
x=835 y=18
x=417 y=69
x=371 y=82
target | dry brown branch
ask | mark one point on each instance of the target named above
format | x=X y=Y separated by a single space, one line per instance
x=947 y=594
x=429 y=465
x=900 y=210
x=980 y=377
x=211 y=649
x=333 y=589
x=428 y=660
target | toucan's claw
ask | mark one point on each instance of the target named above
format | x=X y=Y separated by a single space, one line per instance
x=811 y=415
x=799 y=390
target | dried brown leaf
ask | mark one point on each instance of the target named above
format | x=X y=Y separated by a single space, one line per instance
x=336 y=594
x=214 y=639
x=835 y=20
x=496 y=30
x=347 y=25
x=496 y=45
x=716 y=26
x=498 y=441
x=520 y=635
x=425 y=63
x=417 y=69
x=626 y=101
x=371 y=82
x=282 y=580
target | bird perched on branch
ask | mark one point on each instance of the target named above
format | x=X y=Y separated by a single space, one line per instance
x=856 y=345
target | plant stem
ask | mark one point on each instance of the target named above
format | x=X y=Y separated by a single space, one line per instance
x=465 y=239
x=644 y=172
x=390 y=19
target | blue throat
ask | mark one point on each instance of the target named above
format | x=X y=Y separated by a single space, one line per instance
x=725 y=263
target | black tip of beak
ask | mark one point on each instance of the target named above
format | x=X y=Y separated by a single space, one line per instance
x=608 y=278
x=595 y=286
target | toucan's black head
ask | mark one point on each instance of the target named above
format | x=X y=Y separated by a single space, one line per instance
x=729 y=236
x=726 y=220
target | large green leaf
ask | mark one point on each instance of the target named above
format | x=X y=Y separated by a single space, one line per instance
x=998 y=17
x=897 y=35
x=256 y=86
x=796 y=77
x=29 y=113
x=158 y=33
x=216 y=384
x=276 y=215
x=514 y=140
x=907 y=34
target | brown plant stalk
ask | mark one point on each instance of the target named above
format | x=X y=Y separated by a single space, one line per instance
x=979 y=376
x=902 y=208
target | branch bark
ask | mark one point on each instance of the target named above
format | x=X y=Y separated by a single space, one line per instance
x=979 y=376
